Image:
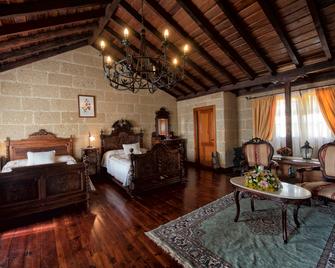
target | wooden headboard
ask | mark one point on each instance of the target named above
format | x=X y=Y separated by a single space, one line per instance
x=122 y=133
x=38 y=142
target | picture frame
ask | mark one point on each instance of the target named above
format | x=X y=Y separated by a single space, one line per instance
x=86 y=106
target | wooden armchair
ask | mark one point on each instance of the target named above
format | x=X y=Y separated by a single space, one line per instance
x=326 y=187
x=258 y=152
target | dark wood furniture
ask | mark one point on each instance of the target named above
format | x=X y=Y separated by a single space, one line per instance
x=288 y=167
x=289 y=195
x=163 y=133
x=158 y=167
x=32 y=189
x=162 y=122
x=324 y=188
x=173 y=143
x=93 y=159
x=258 y=152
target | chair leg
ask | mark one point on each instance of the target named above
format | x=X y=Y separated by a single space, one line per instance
x=325 y=200
x=252 y=203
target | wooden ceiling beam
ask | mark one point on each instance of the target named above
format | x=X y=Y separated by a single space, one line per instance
x=37 y=7
x=136 y=50
x=308 y=81
x=313 y=10
x=36 y=56
x=155 y=32
x=242 y=29
x=206 y=26
x=45 y=45
x=8 y=29
x=195 y=45
x=137 y=35
x=270 y=13
x=325 y=3
x=283 y=77
x=110 y=10
x=39 y=37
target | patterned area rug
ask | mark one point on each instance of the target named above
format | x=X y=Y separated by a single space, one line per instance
x=209 y=237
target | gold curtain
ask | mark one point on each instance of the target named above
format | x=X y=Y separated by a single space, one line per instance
x=326 y=99
x=263 y=115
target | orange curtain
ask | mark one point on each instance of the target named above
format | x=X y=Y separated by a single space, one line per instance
x=326 y=99
x=263 y=114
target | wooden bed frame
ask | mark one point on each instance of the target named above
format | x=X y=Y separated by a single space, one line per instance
x=33 y=189
x=156 y=168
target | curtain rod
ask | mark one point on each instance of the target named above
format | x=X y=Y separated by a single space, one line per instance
x=274 y=94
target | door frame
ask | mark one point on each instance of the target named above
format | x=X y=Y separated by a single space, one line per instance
x=195 y=123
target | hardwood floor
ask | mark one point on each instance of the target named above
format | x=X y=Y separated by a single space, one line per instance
x=111 y=234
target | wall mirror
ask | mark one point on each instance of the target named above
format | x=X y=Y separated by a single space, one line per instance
x=162 y=122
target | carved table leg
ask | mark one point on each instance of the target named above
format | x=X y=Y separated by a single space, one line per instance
x=295 y=215
x=237 y=201
x=284 y=221
x=252 y=203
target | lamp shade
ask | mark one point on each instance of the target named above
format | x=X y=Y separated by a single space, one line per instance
x=306 y=151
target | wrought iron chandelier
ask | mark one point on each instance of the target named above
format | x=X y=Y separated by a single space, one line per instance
x=141 y=71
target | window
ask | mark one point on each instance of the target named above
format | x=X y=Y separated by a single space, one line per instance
x=307 y=122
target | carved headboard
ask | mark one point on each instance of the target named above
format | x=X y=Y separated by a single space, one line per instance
x=122 y=133
x=38 y=142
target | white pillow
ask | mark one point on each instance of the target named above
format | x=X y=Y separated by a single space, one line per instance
x=134 y=146
x=40 y=158
x=66 y=158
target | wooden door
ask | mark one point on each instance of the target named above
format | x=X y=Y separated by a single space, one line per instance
x=205 y=134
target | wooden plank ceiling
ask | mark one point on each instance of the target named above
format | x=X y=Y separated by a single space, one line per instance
x=236 y=45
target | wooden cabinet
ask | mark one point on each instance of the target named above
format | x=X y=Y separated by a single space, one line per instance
x=174 y=143
x=93 y=160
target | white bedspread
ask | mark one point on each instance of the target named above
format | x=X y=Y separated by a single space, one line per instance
x=117 y=164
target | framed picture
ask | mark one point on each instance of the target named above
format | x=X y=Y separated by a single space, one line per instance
x=86 y=106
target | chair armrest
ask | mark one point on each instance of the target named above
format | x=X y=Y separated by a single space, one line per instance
x=274 y=164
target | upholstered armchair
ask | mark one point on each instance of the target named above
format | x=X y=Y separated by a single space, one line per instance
x=258 y=152
x=326 y=187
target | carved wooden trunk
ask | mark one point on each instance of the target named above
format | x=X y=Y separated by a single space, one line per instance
x=34 y=189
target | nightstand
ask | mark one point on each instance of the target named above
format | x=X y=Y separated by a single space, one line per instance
x=93 y=159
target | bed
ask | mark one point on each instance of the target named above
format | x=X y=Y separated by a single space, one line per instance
x=142 y=171
x=36 y=188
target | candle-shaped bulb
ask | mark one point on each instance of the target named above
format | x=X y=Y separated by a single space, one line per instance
x=166 y=34
x=102 y=44
x=108 y=60
x=175 y=62
x=154 y=68
x=186 y=49
x=126 y=33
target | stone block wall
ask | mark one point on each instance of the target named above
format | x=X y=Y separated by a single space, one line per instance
x=230 y=126
x=186 y=122
x=244 y=115
x=44 y=94
x=226 y=124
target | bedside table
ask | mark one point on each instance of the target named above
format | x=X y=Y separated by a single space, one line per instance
x=93 y=159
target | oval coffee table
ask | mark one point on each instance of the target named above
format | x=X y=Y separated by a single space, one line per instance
x=288 y=194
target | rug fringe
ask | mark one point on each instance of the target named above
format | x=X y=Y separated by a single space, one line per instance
x=168 y=250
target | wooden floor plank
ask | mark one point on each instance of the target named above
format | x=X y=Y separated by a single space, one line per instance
x=112 y=232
